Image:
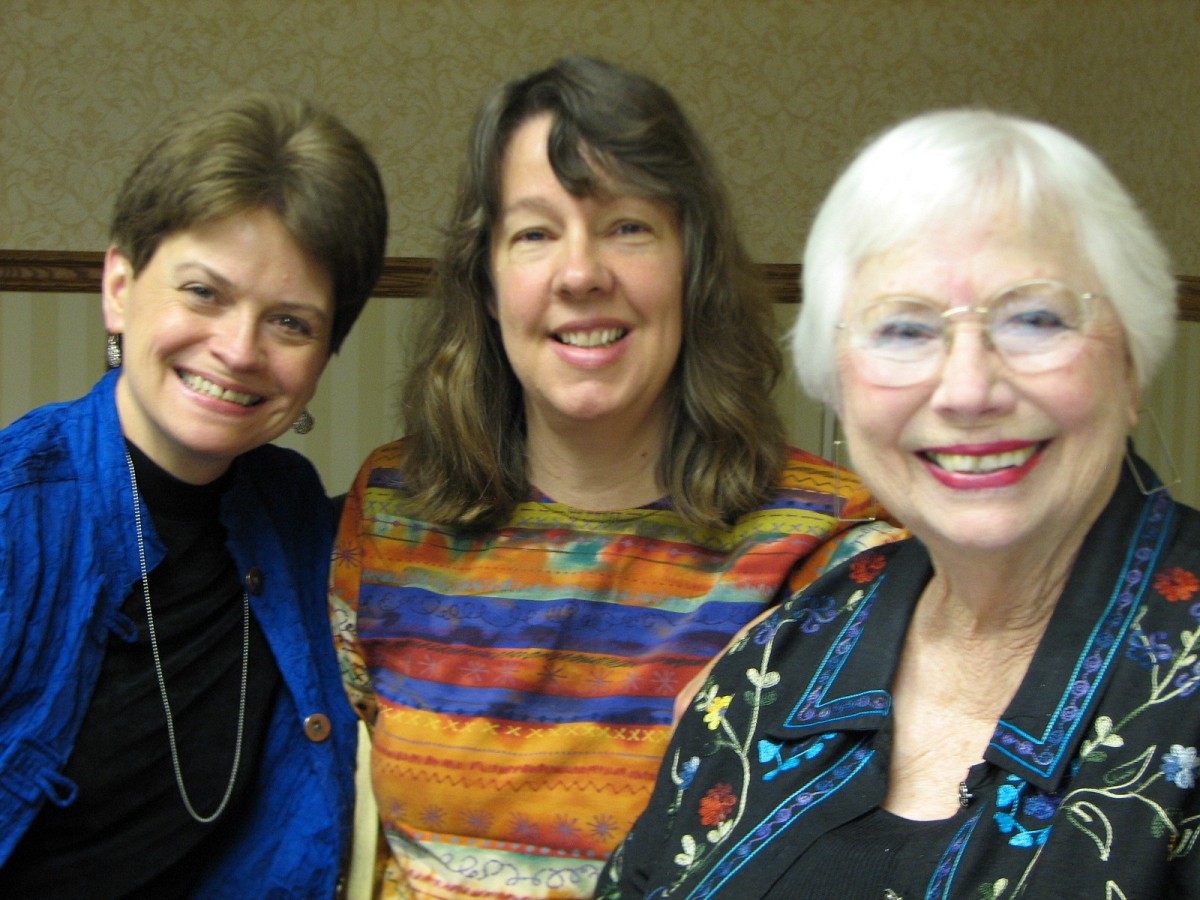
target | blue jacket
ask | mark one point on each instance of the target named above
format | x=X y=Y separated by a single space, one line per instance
x=68 y=558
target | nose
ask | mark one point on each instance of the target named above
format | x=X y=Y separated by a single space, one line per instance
x=971 y=382
x=237 y=341
x=583 y=270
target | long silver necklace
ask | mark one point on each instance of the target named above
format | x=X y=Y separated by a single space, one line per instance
x=162 y=683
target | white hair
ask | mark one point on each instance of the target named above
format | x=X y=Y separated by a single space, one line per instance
x=968 y=163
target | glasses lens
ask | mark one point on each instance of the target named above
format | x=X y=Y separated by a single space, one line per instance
x=900 y=340
x=1037 y=326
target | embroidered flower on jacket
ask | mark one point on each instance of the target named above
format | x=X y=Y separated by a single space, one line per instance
x=1148 y=650
x=714 y=712
x=1176 y=584
x=717 y=804
x=687 y=772
x=866 y=566
x=1188 y=680
x=1179 y=766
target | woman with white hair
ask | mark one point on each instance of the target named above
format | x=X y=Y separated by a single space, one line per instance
x=1002 y=705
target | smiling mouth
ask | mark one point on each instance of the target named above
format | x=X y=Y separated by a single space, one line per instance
x=599 y=337
x=204 y=386
x=971 y=464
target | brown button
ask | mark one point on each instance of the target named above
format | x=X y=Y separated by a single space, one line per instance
x=316 y=727
x=254 y=580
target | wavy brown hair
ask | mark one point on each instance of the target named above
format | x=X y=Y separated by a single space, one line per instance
x=465 y=461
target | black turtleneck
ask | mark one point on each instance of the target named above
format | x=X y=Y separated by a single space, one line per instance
x=128 y=834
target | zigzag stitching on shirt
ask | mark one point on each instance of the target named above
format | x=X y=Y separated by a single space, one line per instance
x=397 y=761
x=1042 y=754
x=519 y=731
x=813 y=709
x=818 y=789
x=500 y=785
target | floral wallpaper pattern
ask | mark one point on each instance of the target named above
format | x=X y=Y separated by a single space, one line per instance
x=784 y=91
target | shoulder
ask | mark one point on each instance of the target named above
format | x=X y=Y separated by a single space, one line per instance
x=288 y=487
x=37 y=448
x=807 y=471
x=270 y=464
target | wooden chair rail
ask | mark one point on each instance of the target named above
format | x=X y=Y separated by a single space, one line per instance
x=78 y=272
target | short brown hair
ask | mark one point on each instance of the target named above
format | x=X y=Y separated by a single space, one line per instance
x=251 y=151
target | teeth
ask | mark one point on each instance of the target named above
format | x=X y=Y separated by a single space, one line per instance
x=598 y=338
x=204 y=386
x=959 y=462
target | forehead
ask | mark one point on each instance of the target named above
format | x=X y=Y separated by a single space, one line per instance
x=976 y=256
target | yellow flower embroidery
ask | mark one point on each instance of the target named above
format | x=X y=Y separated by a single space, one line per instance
x=714 y=713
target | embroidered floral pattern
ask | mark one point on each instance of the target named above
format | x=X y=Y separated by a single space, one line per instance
x=1176 y=584
x=717 y=804
x=866 y=567
x=761 y=776
x=1179 y=766
x=714 y=712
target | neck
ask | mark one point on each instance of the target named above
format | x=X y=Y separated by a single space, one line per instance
x=1004 y=599
x=596 y=465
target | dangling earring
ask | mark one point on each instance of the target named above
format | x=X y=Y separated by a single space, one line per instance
x=841 y=464
x=112 y=351
x=304 y=423
x=1170 y=474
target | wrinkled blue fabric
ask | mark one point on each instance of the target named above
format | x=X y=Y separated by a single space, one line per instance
x=68 y=557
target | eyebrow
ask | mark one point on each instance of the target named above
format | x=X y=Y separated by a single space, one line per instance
x=532 y=204
x=292 y=305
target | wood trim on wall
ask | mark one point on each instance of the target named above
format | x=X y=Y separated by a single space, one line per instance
x=78 y=272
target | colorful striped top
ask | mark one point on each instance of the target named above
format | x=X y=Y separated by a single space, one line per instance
x=520 y=682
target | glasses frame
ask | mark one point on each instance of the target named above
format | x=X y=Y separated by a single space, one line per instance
x=1086 y=300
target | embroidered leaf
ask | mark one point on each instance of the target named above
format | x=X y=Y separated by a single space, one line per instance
x=763 y=679
x=688 y=856
x=752 y=699
x=1092 y=821
x=768 y=751
x=1127 y=775
x=1022 y=839
x=720 y=831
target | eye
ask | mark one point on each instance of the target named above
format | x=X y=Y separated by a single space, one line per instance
x=531 y=236
x=903 y=331
x=899 y=326
x=201 y=292
x=294 y=325
x=632 y=228
x=1036 y=311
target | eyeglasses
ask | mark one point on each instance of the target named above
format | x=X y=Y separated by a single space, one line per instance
x=1035 y=326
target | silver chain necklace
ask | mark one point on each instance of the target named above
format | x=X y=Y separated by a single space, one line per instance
x=162 y=683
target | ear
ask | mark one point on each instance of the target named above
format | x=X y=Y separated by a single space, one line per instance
x=115 y=285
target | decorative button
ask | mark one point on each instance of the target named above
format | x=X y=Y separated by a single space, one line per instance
x=316 y=727
x=254 y=580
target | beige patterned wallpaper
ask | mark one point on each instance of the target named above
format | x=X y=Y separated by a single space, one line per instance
x=783 y=89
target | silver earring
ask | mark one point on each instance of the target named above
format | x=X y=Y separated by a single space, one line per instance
x=840 y=464
x=1170 y=472
x=112 y=352
x=304 y=423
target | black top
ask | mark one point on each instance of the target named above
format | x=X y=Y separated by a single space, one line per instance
x=128 y=834
x=776 y=775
